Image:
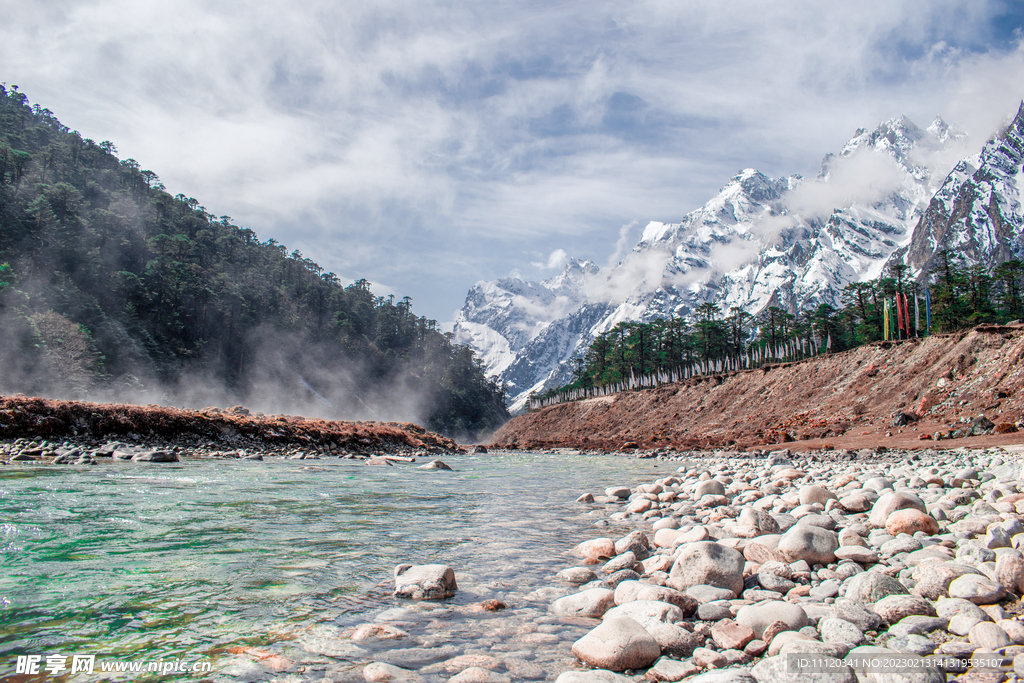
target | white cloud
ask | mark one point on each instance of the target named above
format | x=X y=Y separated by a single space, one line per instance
x=556 y=260
x=439 y=142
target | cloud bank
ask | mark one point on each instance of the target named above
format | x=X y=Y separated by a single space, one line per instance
x=426 y=145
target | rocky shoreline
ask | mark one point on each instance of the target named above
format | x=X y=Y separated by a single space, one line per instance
x=76 y=432
x=738 y=564
x=726 y=570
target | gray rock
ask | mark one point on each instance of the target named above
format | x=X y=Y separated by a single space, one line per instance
x=635 y=542
x=813 y=647
x=153 y=455
x=962 y=623
x=626 y=560
x=724 y=676
x=435 y=465
x=704 y=593
x=613 y=580
x=826 y=589
x=811 y=493
x=894 y=608
x=646 y=612
x=760 y=520
x=932 y=579
x=577 y=575
x=863 y=618
x=812 y=544
x=591 y=603
x=618 y=644
x=989 y=636
x=707 y=563
x=856 y=553
x=918 y=674
x=675 y=641
x=900 y=544
x=840 y=631
x=758 y=617
x=773 y=582
x=978 y=589
x=714 y=611
x=629 y=591
x=791 y=669
x=918 y=625
x=912 y=643
x=709 y=487
x=424 y=582
x=870 y=587
x=670 y=670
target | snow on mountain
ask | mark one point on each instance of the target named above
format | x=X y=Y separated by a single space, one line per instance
x=759 y=242
x=977 y=211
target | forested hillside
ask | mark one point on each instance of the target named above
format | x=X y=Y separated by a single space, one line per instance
x=113 y=288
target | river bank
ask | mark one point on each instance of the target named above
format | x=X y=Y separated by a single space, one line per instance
x=297 y=558
x=738 y=567
x=46 y=426
x=966 y=387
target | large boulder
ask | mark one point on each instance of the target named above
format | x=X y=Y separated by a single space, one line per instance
x=812 y=544
x=424 y=581
x=758 y=617
x=597 y=548
x=153 y=455
x=618 y=644
x=811 y=493
x=629 y=591
x=870 y=587
x=646 y=612
x=591 y=603
x=932 y=578
x=707 y=563
x=890 y=502
x=910 y=521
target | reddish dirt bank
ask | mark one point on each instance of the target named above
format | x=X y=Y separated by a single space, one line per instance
x=32 y=417
x=845 y=400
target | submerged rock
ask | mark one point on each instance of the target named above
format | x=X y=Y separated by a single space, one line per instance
x=424 y=582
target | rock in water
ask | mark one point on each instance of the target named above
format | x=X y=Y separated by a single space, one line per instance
x=435 y=465
x=424 y=581
x=150 y=455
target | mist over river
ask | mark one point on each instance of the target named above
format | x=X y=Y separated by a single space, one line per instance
x=258 y=567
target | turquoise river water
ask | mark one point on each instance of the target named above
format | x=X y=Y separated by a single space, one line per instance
x=255 y=569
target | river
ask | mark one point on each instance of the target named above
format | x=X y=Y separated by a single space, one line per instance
x=256 y=569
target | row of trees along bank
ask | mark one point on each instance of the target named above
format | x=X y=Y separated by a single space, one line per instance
x=953 y=296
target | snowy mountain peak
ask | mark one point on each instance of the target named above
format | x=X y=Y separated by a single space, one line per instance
x=758 y=242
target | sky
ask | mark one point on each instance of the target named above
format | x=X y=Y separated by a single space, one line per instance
x=426 y=144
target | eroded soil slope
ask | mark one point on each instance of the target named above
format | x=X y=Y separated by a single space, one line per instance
x=845 y=400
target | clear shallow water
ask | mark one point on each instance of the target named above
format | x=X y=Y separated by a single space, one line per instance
x=200 y=559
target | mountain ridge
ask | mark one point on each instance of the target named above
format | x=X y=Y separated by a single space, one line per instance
x=758 y=242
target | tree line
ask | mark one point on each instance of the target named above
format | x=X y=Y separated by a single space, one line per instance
x=156 y=284
x=953 y=295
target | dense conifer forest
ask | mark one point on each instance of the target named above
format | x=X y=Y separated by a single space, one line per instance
x=113 y=288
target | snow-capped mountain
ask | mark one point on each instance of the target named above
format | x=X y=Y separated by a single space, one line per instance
x=977 y=211
x=788 y=242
